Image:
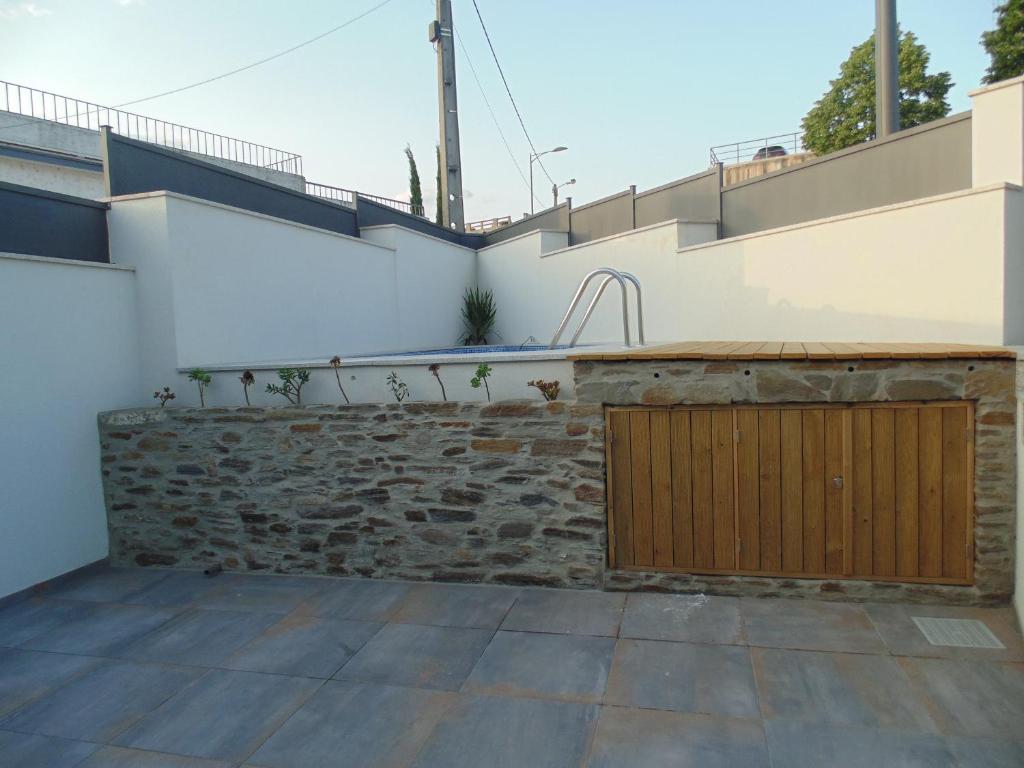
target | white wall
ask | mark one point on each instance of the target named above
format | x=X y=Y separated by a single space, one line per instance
x=997 y=133
x=534 y=277
x=931 y=270
x=219 y=286
x=56 y=178
x=69 y=350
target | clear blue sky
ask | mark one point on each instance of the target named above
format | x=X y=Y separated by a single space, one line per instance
x=638 y=91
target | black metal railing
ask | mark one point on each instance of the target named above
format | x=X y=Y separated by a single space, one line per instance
x=66 y=110
x=348 y=197
x=758 y=149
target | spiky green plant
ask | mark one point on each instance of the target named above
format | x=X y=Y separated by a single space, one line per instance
x=397 y=386
x=478 y=313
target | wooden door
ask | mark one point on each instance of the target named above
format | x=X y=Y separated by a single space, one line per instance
x=881 y=491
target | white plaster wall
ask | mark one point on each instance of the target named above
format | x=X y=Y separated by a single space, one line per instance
x=69 y=349
x=997 y=133
x=931 y=270
x=56 y=178
x=432 y=276
x=535 y=276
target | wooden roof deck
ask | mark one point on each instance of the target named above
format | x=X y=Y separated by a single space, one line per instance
x=799 y=350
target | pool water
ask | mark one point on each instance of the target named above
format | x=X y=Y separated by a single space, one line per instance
x=485 y=349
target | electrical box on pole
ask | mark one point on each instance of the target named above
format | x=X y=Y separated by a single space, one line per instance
x=440 y=33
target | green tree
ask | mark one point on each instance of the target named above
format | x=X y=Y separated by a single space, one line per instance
x=1005 y=43
x=845 y=114
x=439 y=216
x=415 y=192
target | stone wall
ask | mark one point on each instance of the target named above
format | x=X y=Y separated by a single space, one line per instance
x=509 y=493
x=990 y=383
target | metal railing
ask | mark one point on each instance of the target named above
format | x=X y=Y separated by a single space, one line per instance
x=611 y=274
x=764 y=148
x=348 y=197
x=66 y=110
x=488 y=225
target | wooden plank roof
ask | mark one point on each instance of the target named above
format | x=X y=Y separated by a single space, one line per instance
x=799 y=350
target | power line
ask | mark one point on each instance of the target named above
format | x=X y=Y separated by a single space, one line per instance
x=509 y=91
x=494 y=117
x=235 y=71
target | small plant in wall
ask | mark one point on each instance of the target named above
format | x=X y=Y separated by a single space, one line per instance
x=547 y=388
x=163 y=395
x=248 y=379
x=436 y=370
x=397 y=386
x=478 y=313
x=483 y=372
x=335 y=363
x=202 y=379
x=290 y=387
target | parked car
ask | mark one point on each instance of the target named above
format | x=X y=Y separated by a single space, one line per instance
x=772 y=151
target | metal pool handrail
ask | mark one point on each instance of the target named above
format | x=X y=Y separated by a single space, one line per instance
x=612 y=274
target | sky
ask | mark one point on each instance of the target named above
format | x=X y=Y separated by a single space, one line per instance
x=638 y=91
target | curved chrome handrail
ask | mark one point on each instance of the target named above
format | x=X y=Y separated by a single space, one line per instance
x=612 y=274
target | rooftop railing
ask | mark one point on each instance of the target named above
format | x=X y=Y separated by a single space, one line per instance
x=348 y=196
x=66 y=110
x=488 y=225
x=758 y=149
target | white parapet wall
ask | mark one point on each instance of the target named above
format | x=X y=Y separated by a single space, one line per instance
x=220 y=287
x=69 y=350
x=946 y=268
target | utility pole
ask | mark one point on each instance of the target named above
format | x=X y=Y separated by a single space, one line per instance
x=887 y=72
x=441 y=35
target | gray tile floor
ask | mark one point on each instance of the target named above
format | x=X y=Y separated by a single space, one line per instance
x=171 y=669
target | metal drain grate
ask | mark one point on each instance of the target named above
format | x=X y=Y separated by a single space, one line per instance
x=962 y=633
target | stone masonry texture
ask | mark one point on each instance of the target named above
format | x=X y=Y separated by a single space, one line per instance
x=508 y=493
x=989 y=383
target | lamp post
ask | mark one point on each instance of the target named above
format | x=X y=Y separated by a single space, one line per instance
x=556 y=187
x=534 y=156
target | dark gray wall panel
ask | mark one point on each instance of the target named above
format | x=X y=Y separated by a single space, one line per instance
x=694 y=198
x=552 y=218
x=608 y=216
x=134 y=167
x=42 y=223
x=920 y=162
x=372 y=214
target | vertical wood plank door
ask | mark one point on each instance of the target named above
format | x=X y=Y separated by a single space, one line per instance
x=878 y=491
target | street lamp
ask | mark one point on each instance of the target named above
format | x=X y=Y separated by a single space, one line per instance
x=556 y=187
x=534 y=156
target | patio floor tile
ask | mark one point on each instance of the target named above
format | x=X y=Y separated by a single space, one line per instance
x=25 y=750
x=27 y=675
x=102 y=630
x=986 y=753
x=456 y=605
x=303 y=646
x=418 y=656
x=119 y=757
x=362 y=599
x=262 y=594
x=566 y=612
x=842 y=689
x=703 y=679
x=569 y=667
x=200 y=637
x=812 y=745
x=102 y=703
x=108 y=585
x=181 y=588
x=683 y=618
x=809 y=625
x=972 y=698
x=35 y=616
x=502 y=732
x=355 y=725
x=901 y=635
x=224 y=715
x=645 y=738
